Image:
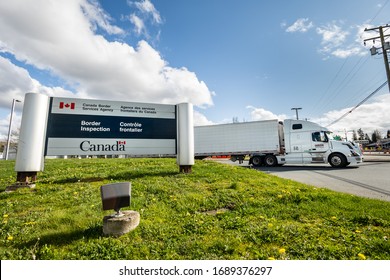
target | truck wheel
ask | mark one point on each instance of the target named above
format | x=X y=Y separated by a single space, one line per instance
x=338 y=160
x=270 y=160
x=256 y=161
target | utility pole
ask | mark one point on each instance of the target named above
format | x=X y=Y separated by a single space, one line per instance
x=385 y=48
x=296 y=111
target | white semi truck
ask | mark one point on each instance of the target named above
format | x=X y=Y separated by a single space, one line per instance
x=272 y=143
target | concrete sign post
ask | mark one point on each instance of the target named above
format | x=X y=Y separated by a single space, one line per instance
x=54 y=126
x=185 y=124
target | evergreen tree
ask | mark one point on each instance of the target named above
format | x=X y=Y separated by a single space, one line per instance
x=354 y=135
x=376 y=136
x=360 y=134
x=366 y=137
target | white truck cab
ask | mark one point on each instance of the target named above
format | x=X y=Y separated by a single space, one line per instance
x=307 y=142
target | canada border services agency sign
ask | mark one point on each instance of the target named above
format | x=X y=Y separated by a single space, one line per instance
x=100 y=127
x=53 y=126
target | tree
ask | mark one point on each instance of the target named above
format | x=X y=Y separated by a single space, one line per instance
x=366 y=137
x=354 y=135
x=388 y=134
x=376 y=136
x=361 y=134
x=13 y=141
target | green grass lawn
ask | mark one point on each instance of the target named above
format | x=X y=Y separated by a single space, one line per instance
x=216 y=212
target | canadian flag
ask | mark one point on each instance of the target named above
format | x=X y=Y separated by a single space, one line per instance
x=122 y=142
x=67 y=105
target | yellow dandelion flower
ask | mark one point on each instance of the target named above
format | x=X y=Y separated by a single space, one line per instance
x=334 y=218
x=5 y=216
x=282 y=251
x=270 y=225
x=361 y=256
x=75 y=193
x=271 y=258
x=357 y=231
x=280 y=196
x=10 y=238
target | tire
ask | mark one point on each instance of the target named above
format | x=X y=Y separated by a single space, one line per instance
x=270 y=161
x=338 y=160
x=256 y=161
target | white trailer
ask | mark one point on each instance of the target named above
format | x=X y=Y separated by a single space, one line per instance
x=274 y=143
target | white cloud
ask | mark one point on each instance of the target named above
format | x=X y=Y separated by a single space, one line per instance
x=344 y=53
x=200 y=119
x=139 y=25
x=259 y=114
x=146 y=7
x=14 y=83
x=98 y=17
x=369 y=116
x=332 y=35
x=300 y=25
x=335 y=41
x=61 y=40
x=144 y=13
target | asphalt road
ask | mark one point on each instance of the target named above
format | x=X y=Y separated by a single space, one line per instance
x=370 y=179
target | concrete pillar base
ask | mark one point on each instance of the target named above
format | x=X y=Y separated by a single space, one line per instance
x=117 y=225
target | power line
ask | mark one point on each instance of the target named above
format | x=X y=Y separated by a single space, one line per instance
x=345 y=82
x=340 y=86
x=314 y=109
x=380 y=10
x=358 y=105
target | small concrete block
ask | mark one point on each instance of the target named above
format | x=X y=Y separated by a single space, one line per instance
x=120 y=225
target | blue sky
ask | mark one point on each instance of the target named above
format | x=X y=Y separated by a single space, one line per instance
x=249 y=60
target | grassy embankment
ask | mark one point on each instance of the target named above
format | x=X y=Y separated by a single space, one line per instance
x=217 y=212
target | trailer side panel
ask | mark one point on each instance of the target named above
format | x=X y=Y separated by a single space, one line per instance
x=237 y=138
